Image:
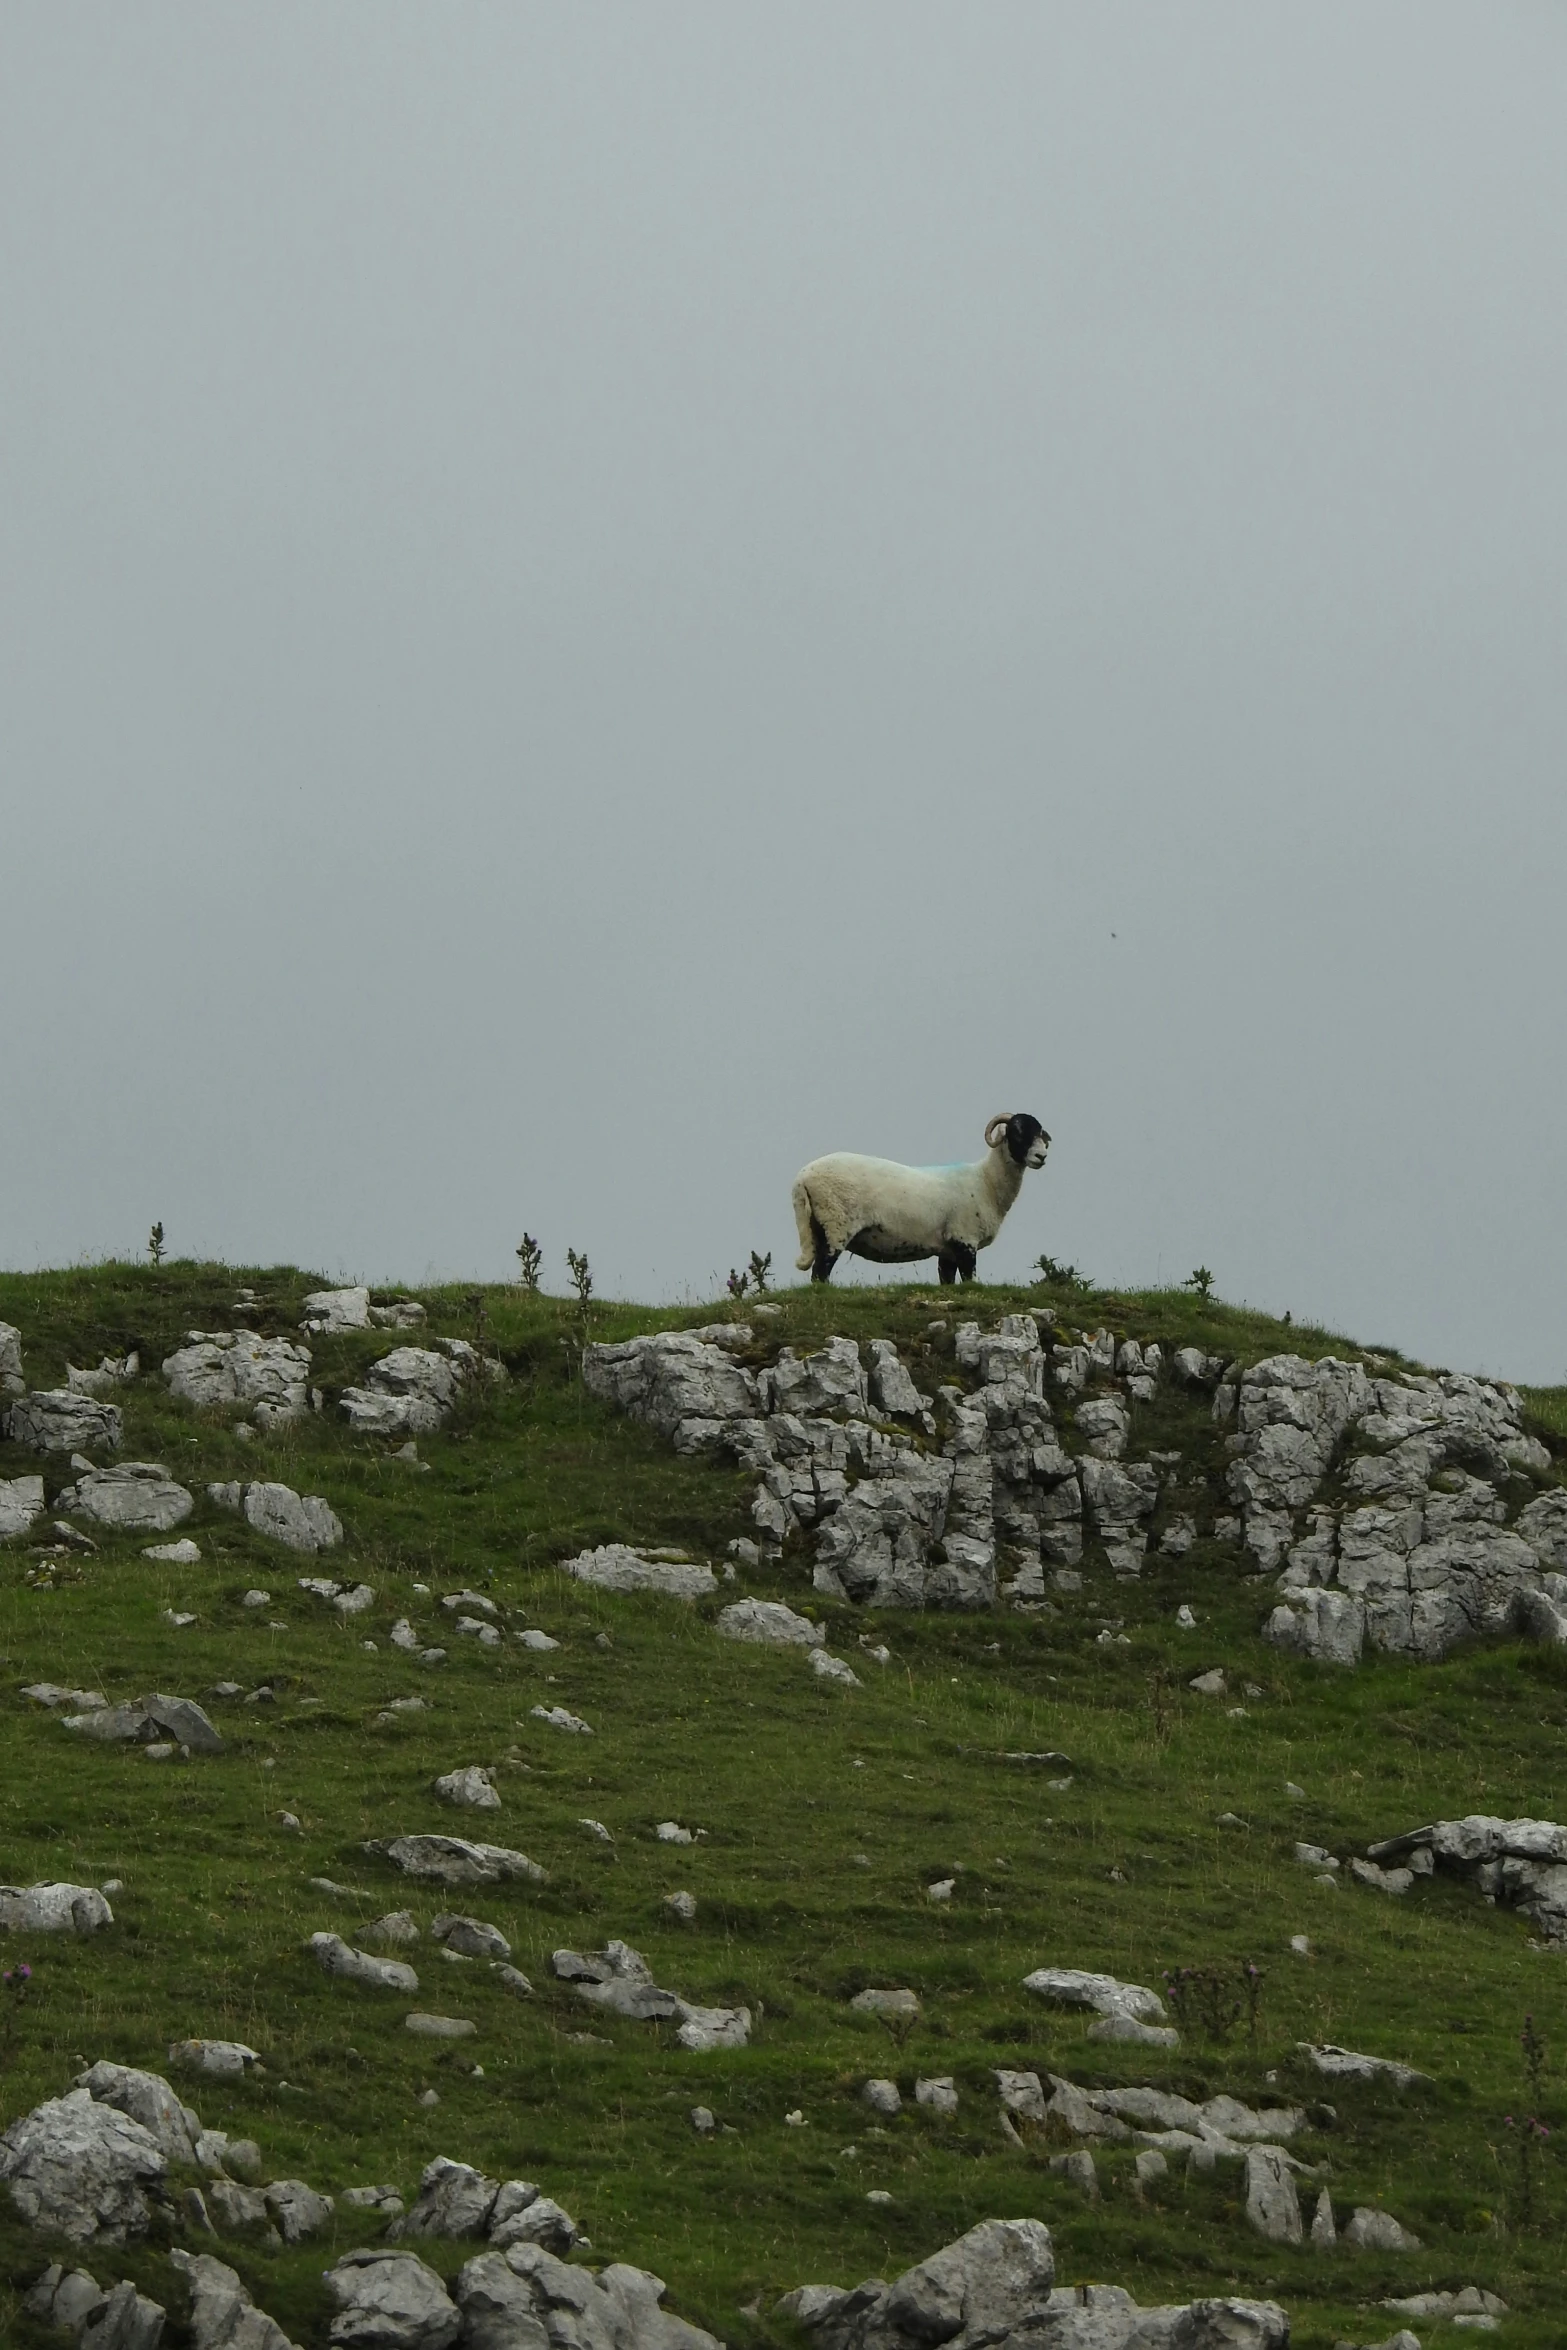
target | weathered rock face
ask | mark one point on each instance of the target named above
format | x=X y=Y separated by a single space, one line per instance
x=149 y=2100
x=72 y=2301
x=455 y=2200
x=327 y=1311
x=301 y=1521
x=413 y=1390
x=619 y=1979
x=53 y=1419
x=616 y=1567
x=269 y=1376
x=769 y=1623
x=1519 y=1863
x=334 y=1956
x=1407 y=1546
x=525 y=2296
x=222 y=2314
x=138 y=1496
x=83 y=2170
x=11 y=1380
x=21 y=1502
x=996 y=2284
x=390 y=2301
x=53 y=1909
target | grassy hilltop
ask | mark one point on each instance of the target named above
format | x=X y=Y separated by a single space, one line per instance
x=1126 y=1869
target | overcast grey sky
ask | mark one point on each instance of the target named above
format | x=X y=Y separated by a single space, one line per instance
x=596 y=601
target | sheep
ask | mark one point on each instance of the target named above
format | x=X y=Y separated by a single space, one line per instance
x=895 y=1215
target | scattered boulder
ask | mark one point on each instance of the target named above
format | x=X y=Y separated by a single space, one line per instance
x=470 y=1937
x=389 y=2301
x=56 y=1420
x=891 y=2006
x=1470 y=2301
x=328 y=1311
x=1272 y=2205
x=148 y=2099
x=349 y=1599
x=619 y=1979
x=297 y=2210
x=1377 y=2231
x=413 y=1391
x=452 y=1860
x=524 y=2295
x=56 y=1699
x=1071 y=1987
x=1520 y=1863
x=1347 y=2064
x=12 y=1381
x=559 y=1718
x=270 y=1377
x=53 y=1909
x=137 y=1497
x=335 y=1957
x=938 y=2092
x=73 y=2302
x=883 y=2097
x=617 y=1567
x=226 y=2060
x=299 y=1521
x=455 y=2200
x=770 y=1622
x=222 y=2314
x=440 y=2027
x=148 y=1720
x=82 y=2170
x=21 y=1503
x=833 y=1668
x=470 y=1786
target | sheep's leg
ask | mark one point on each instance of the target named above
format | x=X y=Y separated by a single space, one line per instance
x=823 y=1258
x=964 y=1260
x=946 y=1271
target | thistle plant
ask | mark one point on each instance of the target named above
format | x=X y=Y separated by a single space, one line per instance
x=1201 y=1280
x=737 y=1284
x=761 y=1270
x=155 y=1243
x=581 y=1278
x=530 y=1261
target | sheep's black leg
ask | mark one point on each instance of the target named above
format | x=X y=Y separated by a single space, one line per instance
x=946 y=1271
x=965 y=1259
x=825 y=1257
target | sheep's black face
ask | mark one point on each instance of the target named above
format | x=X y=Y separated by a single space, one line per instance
x=1027 y=1140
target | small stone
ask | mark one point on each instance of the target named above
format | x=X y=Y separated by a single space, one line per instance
x=1078 y=2166
x=290 y=1820
x=1186 y=1620
x=795 y=2120
x=942 y=1890
x=541 y=1641
x=174 y=1617
x=1150 y=2165
x=878 y=2195
x=471 y=1787
x=681 y=1905
x=257 y=1599
x=558 y=1718
x=1209 y=1684
x=939 y=2093
x=1301 y=1945
x=903 y=2006
x=598 y=1829
x=512 y=1979
x=702 y=2121
x=883 y=2097
x=159 y=1751
x=671 y=1832
x=1324 y=2235
x=429 y=2097
x=183 y=1553
x=439 y=2027
x=1290 y=1788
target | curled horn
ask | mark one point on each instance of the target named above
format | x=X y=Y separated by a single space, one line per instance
x=996 y=1130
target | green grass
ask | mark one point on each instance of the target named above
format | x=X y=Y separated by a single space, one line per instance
x=790 y=1780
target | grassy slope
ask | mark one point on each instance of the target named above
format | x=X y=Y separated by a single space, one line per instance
x=790 y=1780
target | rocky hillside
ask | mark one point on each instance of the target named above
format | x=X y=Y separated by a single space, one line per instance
x=522 y=1827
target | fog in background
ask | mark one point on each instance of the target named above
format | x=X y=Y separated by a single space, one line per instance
x=596 y=601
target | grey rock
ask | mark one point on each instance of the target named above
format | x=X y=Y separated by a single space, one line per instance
x=560 y=1717
x=134 y=1496
x=993 y=2283
x=413 y=1390
x=1520 y=1863
x=1469 y=2301
x=470 y=1786
x=1394 y=1881
x=55 y=1420
x=12 y=1381
x=770 y=1622
x=834 y=1668
x=619 y=1979
x=1272 y=2205
x=470 y=1937
x=237 y=2208
x=937 y=2091
x=335 y=1957
x=1348 y=2064
x=83 y=2170
x=297 y=2210
x=147 y=1719
x=1021 y=2093
x=1377 y=2231
x=1105 y=1426
x=453 y=1860
x=148 y=2099
x=1542 y=1523
x=891 y=1388
x=439 y=2027
x=398 y=1925
x=1071 y=1987
x=456 y=2200
x=901 y=2006
x=1324 y=2235
x=617 y=1567
x=1078 y=2166
x=222 y=2314
x=883 y=2097
x=390 y=2301
x=65 y=2298
x=226 y=2060
x=299 y=1521
x=123 y=2320
x=53 y=1909
x=1128 y=2027
x=270 y=1377
x=404 y=1313
x=21 y=1503
x=56 y=1699
x=1327 y=1625
x=523 y=2297
x=382 y=2199
x=327 y=1311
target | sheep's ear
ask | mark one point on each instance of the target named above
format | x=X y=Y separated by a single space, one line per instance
x=996 y=1131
